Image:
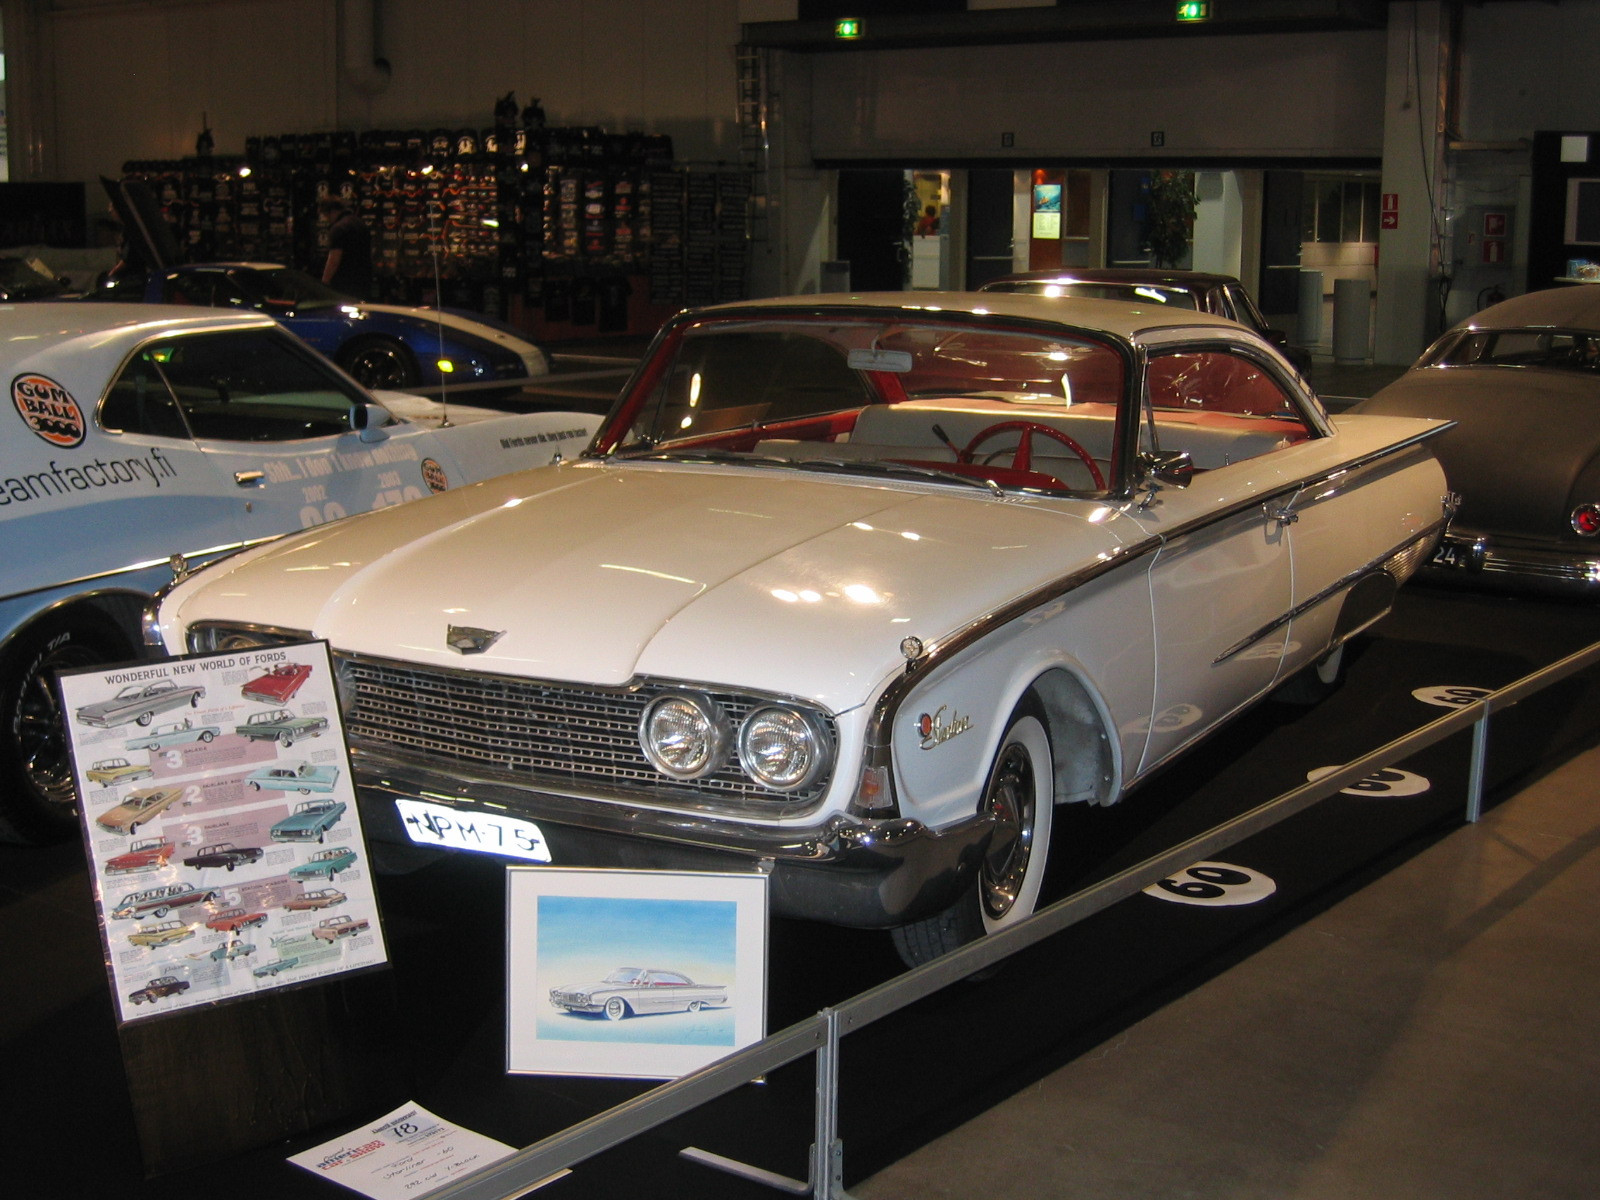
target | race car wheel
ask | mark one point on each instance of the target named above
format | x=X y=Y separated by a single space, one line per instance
x=38 y=802
x=380 y=362
x=1018 y=797
x=616 y=1008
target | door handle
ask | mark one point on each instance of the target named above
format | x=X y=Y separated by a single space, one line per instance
x=248 y=478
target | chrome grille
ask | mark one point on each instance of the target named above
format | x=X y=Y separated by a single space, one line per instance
x=536 y=731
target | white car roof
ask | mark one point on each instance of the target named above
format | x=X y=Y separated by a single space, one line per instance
x=79 y=345
x=1130 y=321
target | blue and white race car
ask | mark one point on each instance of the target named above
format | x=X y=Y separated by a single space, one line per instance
x=136 y=433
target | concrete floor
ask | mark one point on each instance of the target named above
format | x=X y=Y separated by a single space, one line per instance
x=1435 y=1035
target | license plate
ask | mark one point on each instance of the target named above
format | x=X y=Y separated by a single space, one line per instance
x=1448 y=554
x=459 y=829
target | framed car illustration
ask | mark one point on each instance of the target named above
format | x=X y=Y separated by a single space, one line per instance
x=212 y=851
x=647 y=974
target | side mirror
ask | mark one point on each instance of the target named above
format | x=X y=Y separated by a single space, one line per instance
x=1172 y=467
x=368 y=421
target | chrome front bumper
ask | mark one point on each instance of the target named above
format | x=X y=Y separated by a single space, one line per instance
x=1483 y=561
x=869 y=874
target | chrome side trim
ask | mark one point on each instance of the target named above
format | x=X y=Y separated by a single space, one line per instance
x=876 y=745
x=1371 y=568
x=210 y=554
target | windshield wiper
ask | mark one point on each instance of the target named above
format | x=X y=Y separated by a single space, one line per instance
x=890 y=467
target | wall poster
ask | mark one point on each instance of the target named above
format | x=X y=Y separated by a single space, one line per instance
x=220 y=820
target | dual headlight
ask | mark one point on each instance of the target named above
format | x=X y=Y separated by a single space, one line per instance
x=687 y=736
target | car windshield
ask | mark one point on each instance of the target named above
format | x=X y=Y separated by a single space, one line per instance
x=1550 y=349
x=279 y=288
x=930 y=396
x=624 y=975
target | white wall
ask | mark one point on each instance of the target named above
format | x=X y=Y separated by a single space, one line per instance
x=1282 y=94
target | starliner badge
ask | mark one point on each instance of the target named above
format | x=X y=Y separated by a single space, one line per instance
x=464 y=639
x=936 y=731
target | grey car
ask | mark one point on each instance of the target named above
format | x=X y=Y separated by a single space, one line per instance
x=140 y=702
x=1521 y=380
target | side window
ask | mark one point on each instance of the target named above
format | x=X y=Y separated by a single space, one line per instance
x=1221 y=407
x=139 y=402
x=243 y=385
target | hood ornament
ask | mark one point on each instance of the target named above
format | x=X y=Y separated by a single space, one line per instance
x=464 y=639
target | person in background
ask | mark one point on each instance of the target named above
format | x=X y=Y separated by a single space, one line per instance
x=349 y=265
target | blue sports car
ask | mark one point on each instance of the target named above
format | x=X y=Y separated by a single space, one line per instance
x=381 y=345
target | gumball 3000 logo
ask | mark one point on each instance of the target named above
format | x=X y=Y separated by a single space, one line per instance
x=48 y=409
x=1213 y=885
x=433 y=475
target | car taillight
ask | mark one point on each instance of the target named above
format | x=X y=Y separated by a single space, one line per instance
x=1586 y=519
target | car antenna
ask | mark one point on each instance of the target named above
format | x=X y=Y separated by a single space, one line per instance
x=436 y=235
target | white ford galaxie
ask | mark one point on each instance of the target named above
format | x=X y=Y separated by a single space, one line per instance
x=866 y=587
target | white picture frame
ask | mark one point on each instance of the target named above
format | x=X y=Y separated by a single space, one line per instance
x=570 y=930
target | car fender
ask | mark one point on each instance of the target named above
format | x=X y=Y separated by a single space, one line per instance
x=1090 y=655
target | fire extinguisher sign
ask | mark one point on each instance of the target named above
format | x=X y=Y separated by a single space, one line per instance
x=1389 y=214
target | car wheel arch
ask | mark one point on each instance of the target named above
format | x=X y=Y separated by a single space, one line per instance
x=81 y=631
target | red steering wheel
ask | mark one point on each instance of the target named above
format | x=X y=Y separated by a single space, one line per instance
x=1022 y=460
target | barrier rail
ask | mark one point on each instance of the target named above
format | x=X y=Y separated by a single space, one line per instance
x=821 y=1034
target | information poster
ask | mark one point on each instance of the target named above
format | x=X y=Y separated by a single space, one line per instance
x=220 y=818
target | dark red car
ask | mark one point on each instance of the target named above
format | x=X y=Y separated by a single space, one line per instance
x=231 y=920
x=278 y=684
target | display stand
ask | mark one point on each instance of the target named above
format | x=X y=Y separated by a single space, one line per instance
x=211 y=1083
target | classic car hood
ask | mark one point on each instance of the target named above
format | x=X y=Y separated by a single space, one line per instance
x=595 y=573
x=1522 y=439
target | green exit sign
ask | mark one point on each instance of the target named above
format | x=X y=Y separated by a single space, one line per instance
x=847 y=28
x=1194 y=10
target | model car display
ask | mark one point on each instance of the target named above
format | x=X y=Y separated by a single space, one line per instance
x=316 y=898
x=281 y=726
x=294 y=777
x=278 y=685
x=163 y=934
x=139 y=433
x=1521 y=380
x=138 y=808
x=231 y=920
x=179 y=733
x=867 y=587
x=325 y=864
x=632 y=991
x=223 y=854
x=118 y=770
x=308 y=822
x=1203 y=291
x=147 y=854
x=330 y=929
x=139 y=703
x=159 y=901
x=166 y=985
